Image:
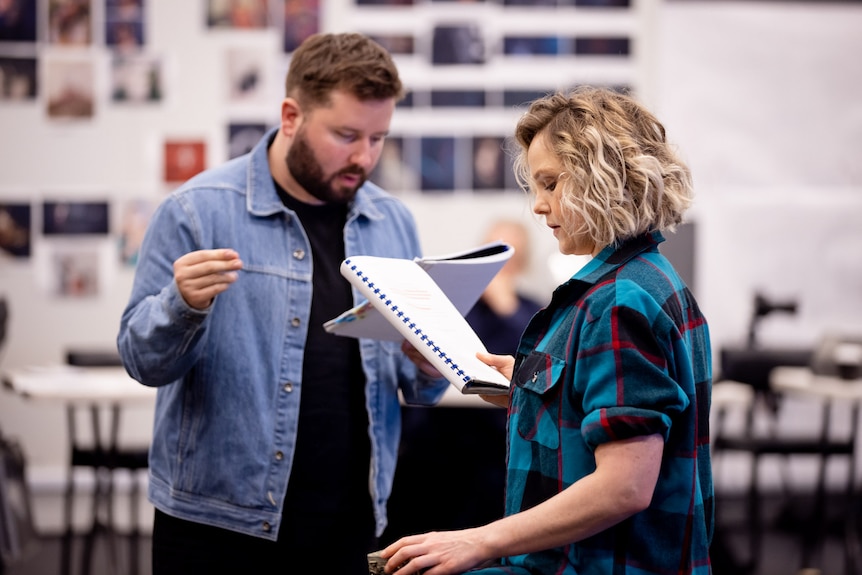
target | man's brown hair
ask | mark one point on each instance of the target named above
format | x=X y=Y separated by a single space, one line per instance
x=350 y=62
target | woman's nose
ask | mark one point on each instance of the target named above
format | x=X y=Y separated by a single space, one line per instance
x=539 y=207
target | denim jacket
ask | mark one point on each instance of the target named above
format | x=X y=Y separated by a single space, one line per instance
x=229 y=376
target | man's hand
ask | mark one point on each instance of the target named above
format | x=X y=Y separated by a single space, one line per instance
x=416 y=357
x=202 y=275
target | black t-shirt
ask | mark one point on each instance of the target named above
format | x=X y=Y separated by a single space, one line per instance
x=328 y=490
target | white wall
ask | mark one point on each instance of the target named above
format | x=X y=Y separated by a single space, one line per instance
x=765 y=100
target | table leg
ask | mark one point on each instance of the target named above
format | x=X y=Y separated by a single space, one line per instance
x=134 y=533
x=852 y=559
x=98 y=494
x=814 y=536
x=68 y=498
x=102 y=458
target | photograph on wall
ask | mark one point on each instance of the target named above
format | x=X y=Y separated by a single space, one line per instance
x=69 y=87
x=239 y=14
x=70 y=22
x=301 y=20
x=521 y=98
x=15 y=229
x=17 y=79
x=74 y=271
x=74 y=218
x=18 y=21
x=437 y=162
x=396 y=44
x=243 y=136
x=395 y=172
x=458 y=98
x=137 y=79
x=124 y=25
x=135 y=218
x=459 y=44
x=531 y=46
x=598 y=3
x=600 y=46
x=247 y=75
x=183 y=159
x=529 y=2
x=489 y=163
x=408 y=101
x=384 y=2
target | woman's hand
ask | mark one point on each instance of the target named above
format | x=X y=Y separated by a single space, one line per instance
x=436 y=553
x=504 y=364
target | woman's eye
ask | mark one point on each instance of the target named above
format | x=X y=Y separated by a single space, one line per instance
x=551 y=186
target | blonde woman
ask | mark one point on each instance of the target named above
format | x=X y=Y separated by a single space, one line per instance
x=608 y=442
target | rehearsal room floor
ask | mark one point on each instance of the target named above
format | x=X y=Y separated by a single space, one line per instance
x=780 y=551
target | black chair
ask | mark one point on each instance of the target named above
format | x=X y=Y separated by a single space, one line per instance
x=752 y=367
x=104 y=457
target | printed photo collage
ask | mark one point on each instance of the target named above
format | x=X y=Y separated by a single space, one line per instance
x=50 y=50
x=73 y=245
x=42 y=64
x=46 y=54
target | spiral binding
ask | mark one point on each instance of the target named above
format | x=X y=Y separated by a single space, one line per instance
x=410 y=324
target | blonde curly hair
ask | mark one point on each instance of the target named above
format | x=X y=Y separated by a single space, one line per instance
x=621 y=178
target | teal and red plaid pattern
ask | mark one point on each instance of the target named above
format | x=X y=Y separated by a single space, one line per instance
x=621 y=351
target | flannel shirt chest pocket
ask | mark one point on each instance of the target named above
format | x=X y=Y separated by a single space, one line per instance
x=538 y=399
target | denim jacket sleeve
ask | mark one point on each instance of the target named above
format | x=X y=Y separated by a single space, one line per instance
x=160 y=334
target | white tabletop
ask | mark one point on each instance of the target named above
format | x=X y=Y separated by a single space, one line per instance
x=71 y=384
x=803 y=381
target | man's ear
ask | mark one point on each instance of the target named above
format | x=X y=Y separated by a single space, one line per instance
x=291 y=116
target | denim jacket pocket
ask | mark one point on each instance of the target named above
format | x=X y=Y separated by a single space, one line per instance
x=538 y=399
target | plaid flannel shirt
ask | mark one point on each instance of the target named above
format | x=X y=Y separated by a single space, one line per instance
x=621 y=351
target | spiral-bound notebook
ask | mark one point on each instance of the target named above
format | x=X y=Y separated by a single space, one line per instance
x=415 y=305
x=462 y=276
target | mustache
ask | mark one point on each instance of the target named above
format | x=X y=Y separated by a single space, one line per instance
x=355 y=170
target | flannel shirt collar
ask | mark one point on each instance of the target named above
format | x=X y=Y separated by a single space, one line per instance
x=606 y=261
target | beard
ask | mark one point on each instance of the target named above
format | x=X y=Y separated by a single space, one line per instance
x=305 y=168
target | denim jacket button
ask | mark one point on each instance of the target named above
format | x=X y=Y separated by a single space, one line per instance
x=266 y=526
x=295 y=322
x=279 y=455
x=288 y=387
x=299 y=253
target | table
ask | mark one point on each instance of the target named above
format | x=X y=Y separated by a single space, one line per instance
x=829 y=390
x=93 y=389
